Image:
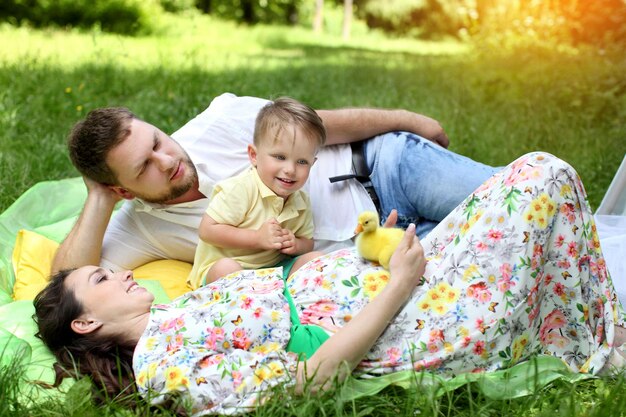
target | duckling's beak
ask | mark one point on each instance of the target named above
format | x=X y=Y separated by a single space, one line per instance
x=358 y=229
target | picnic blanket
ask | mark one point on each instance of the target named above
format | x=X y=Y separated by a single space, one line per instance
x=30 y=230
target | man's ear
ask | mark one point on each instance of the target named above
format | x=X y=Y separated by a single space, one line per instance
x=122 y=192
x=252 y=154
x=85 y=326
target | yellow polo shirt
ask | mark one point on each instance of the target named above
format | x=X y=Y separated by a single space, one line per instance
x=245 y=202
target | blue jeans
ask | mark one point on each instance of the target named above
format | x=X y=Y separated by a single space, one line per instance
x=420 y=179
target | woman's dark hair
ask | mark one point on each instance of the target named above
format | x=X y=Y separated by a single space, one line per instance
x=107 y=362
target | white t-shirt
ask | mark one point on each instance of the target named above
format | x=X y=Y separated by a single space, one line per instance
x=217 y=141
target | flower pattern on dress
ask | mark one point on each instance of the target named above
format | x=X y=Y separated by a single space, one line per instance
x=222 y=345
x=515 y=270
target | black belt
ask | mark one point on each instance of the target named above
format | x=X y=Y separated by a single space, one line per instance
x=361 y=172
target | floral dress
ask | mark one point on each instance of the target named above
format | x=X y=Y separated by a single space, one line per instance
x=515 y=270
x=221 y=344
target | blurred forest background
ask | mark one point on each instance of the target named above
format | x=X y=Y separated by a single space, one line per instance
x=575 y=21
x=504 y=77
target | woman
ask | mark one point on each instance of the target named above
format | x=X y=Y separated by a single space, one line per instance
x=515 y=270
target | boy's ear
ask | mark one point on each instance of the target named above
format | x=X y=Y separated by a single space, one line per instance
x=85 y=326
x=252 y=154
x=122 y=192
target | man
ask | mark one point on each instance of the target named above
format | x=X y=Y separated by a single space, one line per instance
x=166 y=180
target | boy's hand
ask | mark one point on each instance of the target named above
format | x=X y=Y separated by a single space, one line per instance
x=290 y=245
x=270 y=235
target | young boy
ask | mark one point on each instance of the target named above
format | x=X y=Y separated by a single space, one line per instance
x=260 y=217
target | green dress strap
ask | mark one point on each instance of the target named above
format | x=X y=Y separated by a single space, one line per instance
x=305 y=338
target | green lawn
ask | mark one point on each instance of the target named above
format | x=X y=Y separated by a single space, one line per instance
x=496 y=103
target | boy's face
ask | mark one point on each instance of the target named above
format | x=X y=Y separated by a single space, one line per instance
x=284 y=164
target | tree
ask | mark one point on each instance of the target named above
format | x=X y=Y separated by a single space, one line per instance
x=247 y=9
x=318 y=18
x=347 y=18
x=204 y=5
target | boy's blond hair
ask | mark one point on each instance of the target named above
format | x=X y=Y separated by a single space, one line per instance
x=283 y=112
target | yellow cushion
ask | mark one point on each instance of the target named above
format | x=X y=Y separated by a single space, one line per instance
x=32 y=260
x=171 y=274
x=32 y=257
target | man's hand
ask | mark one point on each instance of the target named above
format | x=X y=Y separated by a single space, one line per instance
x=270 y=235
x=428 y=128
x=102 y=191
x=441 y=139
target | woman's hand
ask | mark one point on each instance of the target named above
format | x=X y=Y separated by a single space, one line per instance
x=408 y=263
x=392 y=219
x=338 y=356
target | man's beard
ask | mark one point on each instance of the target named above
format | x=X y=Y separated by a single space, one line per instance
x=176 y=191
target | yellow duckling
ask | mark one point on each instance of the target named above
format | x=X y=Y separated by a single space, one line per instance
x=376 y=243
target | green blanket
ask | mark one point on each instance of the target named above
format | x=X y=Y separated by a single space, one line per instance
x=50 y=208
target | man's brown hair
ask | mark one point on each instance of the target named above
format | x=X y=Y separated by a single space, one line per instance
x=92 y=138
x=283 y=112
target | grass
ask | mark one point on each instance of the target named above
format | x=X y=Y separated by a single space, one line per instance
x=590 y=398
x=495 y=102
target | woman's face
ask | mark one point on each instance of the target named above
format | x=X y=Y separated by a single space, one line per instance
x=107 y=297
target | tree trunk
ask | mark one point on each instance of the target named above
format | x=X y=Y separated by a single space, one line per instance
x=204 y=5
x=247 y=9
x=347 y=18
x=291 y=13
x=318 y=19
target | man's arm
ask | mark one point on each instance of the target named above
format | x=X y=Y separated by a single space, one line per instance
x=350 y=125
x=83 y=245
